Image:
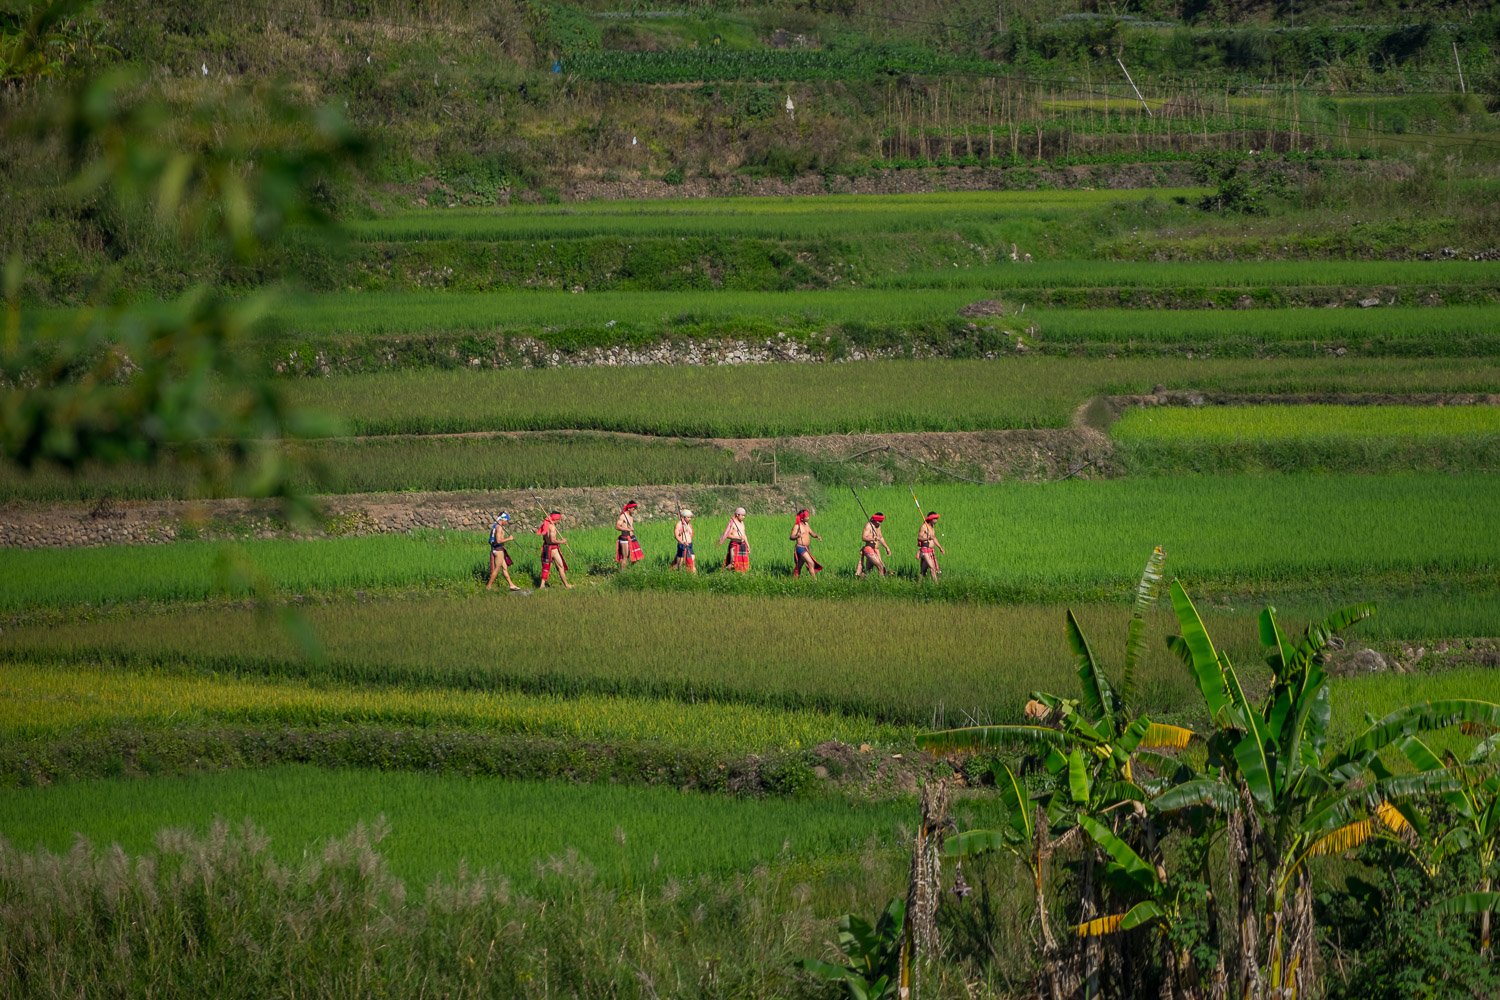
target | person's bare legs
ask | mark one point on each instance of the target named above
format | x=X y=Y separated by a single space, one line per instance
x=562 y=571
x=496 y=563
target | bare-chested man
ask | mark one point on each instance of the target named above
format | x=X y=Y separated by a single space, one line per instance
x=927 y=540
x=737 y=556
x=801 y=537
x=684 y=535
x=552 y=543
x=870 y=544
x=627 y=549
x=500 y=559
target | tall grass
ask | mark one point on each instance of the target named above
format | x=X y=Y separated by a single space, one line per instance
x=41 y=700
x=766 y=400
x=220 y=915
x=896 y=662
x=630 y=836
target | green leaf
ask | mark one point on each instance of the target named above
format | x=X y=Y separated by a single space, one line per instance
x=1423 y=716
x=1131 y=864
x=1250 y=755
x=826 y=970
x=1420 y=754
x=972 y=842
x=1201 y=792
x=1466 y=904
x=1142 y=913
x=1098 y=699
x=1199 y=652
x=1145 y=599
x=1078 y=777
x=1318 y=634
x=1280 y=654
x=1013 y=796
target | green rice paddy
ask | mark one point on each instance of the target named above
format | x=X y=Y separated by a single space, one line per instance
x=629 y=837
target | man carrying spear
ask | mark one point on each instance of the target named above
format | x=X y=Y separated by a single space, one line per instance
x=927 y=564
x=552 y=543
x=627 y=549
x=737 y=556
x=869 y=550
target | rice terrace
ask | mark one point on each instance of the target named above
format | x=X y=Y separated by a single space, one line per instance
x=777 y=499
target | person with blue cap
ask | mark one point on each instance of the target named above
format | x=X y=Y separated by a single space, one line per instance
x=500 y=560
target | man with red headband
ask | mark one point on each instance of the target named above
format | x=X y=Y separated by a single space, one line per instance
x=927 y=564
x=552 y=543
x=869 y=550
x=627 y=549
x=802 y=536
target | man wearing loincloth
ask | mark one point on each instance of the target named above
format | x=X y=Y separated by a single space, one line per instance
x=684 y=535
x=870 y=543
x=552 y=543
x=801 y=537
x=627 y=549
x=500 y=559
x=927 y=563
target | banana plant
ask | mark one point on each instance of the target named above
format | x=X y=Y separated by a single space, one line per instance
x=1098 y=725
x=1284 y=796
x=872 y=954
x=1475 y=806
x=1092 y=745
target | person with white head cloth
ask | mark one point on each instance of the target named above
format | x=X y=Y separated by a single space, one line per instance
x=500 y=559
x=684 y=534
x=737 y=556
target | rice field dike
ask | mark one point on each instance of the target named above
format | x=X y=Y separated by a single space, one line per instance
x=790 y=399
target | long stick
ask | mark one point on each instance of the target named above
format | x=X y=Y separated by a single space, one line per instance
x=861 y=503
x=1133 y=87
x=1461 y=88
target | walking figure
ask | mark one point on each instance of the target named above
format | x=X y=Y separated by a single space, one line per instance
x=737 y=556
x=801 y=537
x=500 y=560
x=552 y=543
x=684 y=535
x=927 y=563
x=869 y=550
x=627 y=549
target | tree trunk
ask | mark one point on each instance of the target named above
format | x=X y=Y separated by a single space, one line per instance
x=924 y=888
x=1484 y=923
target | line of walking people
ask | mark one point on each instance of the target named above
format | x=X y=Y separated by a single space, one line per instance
x=734 y=537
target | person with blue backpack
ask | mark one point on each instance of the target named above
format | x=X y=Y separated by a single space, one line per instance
x=500 y=560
